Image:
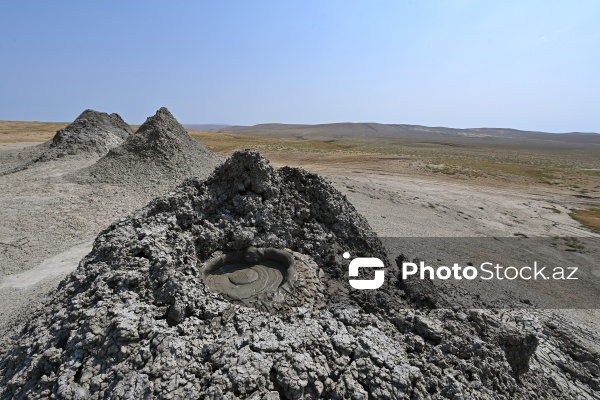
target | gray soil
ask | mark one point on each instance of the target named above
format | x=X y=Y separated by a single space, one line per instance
x=53 y=214
x=135 y=318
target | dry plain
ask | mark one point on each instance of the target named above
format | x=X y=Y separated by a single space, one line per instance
x=405 y=188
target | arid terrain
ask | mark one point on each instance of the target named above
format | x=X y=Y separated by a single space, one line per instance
x=405 y=187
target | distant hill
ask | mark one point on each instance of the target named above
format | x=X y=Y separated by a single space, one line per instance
x=205 y=127
x=347 y=130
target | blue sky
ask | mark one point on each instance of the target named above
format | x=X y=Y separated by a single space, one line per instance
x=519 y=64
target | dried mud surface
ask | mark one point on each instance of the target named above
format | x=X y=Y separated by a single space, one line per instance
x=159 y=153
x=135 y=318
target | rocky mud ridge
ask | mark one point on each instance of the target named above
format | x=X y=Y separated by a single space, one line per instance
x=139 y=319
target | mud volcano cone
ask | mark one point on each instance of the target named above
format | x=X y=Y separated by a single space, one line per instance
x=92 y=133
x=162 y=306
x=160 y=151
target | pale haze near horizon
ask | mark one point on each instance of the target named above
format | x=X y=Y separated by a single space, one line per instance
x=531 y=65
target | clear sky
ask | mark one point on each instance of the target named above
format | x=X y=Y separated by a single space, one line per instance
x=519 y=64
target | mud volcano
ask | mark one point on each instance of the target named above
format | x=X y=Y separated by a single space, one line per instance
x=160 y=152
x=172 y=303
x=92 y=133
x=250 y=273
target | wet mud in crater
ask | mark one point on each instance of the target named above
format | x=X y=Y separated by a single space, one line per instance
x=247 y=274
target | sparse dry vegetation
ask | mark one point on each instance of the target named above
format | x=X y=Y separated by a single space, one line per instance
x=589 y=218
x=17 y=131
x=575 y=169
x=569 y=168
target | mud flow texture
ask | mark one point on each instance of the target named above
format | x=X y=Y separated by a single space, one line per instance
x=250 y=273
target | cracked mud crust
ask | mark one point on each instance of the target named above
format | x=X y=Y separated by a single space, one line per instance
x=137 y=320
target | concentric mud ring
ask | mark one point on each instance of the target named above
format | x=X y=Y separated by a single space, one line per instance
x=250 y=273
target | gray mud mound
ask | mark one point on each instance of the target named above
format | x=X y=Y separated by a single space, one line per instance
x=160 y=151
x=162 y=308
x=92 y=133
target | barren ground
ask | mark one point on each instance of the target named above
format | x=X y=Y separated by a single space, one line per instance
x=403 y=189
